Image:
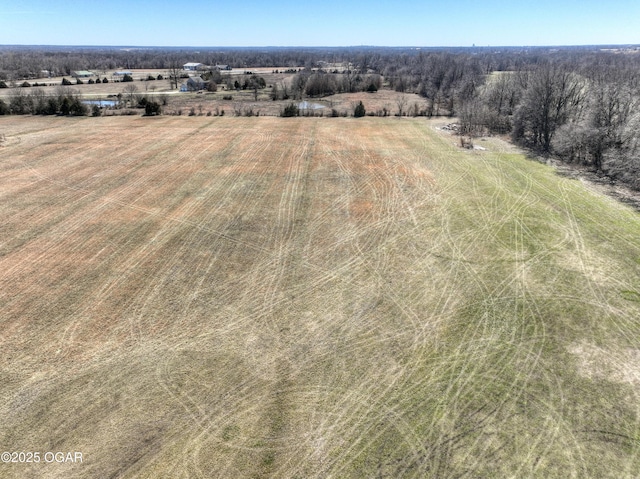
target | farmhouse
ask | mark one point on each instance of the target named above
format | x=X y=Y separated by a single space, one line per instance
x=192 y=67
x=193 y=84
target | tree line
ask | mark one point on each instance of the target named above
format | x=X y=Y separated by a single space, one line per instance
x=65 y=102
x=580 y=109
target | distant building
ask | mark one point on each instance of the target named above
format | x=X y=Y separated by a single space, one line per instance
x=223 y=67
x=120 y=74
x=192 y=67
x=193 y=84
x=81 y=74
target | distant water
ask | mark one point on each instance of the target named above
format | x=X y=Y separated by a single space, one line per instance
x=100 y=103
x=305 y=105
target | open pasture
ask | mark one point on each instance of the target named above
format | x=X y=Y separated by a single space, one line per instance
x=309 y=297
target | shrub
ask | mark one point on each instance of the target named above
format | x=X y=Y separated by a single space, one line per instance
x=26 y=84
x=66 y=82
x=21 y=104
x=4 y=108
x=291 y=110
x=3 y=84
x=104 y=80
x=127 y=78
x=152 y=108
x=65 y=106
x=52 y=106
x=359 y=110
x=77 y=108
x=159 y=77
x=227 y=97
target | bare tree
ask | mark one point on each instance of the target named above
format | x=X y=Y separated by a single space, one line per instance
x=298 y=84
x=131 y=91
x=401 y=102
x=552 y=96
x=175 y=70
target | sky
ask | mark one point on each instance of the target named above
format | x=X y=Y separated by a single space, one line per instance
x=322 y=23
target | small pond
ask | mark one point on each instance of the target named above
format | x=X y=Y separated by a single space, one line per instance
x=101 y=103
x=305 y=105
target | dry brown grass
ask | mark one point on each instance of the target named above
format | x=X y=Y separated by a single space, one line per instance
x=267 y=297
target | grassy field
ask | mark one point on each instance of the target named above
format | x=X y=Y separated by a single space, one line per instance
x=310 y=297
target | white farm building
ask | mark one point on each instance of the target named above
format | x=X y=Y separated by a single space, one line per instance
x=192 y=67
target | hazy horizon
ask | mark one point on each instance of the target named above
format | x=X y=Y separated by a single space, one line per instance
x=314 y=47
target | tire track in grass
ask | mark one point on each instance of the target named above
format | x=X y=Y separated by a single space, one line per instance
x=519 y=280
x=361 y=415
x=519 y=231
x=207 y=428
x=196 y=241
x=580 y=246
x=391 y=212
x=284 y=228
x=132 y=206
x=75 y=188
x=57 y=240
x=265 y=314
x=179 y=253
x=367 y=368
x=518 y=235
x=135 y=185
x=475 y=277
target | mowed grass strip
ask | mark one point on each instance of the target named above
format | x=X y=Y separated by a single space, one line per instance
x=267 y=297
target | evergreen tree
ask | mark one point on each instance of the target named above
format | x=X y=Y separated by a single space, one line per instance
x=291 y=110
x=152 y=108
x=65 y=106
